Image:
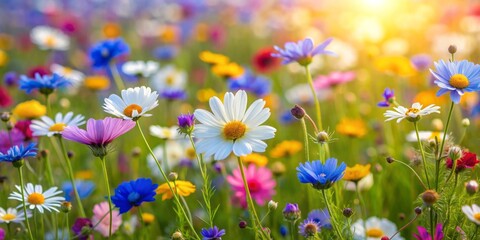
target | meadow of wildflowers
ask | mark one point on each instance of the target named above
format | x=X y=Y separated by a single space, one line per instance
x=226 y=119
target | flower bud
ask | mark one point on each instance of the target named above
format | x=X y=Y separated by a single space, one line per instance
x=465 y=122
x=471 y=187
x=9 y=125
x=66 y=206
x=291 y=212
x=272 y=205
x=390 y=159
x=347 y=212
x=5 y=116
x=418 y=210
x=136 y=152
x=186 y=123
x=242 y=224
x=452 y=49
x=455 y=153
x=430 y=197
x=298 y=112
x=322 y=137
x=432 y=143
x=70 y=154
x=173 y=176
x=177 y=236
x=278 y=168
x=44 y=153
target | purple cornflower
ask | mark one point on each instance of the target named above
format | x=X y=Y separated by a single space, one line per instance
x=421 y=61
x=81 y=228
x=322 y=217
x=212 y=233
x=302 y=52
x=44 y=84
x=186 y=123
x=423 y=233
x=99 y=133
x=173 y=94
x=309 y=228
x=291 y=212
x=389 y=97
x=250 y=82
x=10 y=79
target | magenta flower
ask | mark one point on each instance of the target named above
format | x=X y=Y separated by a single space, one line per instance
x=333 y=79
x=423 y=233
x=259 y=182
x=101 y=222
x=99 y=133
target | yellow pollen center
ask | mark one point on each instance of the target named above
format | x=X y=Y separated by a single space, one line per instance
x=57 y=127
x=128 y=111
x=67 y=70
x=476 y=216
x=36 y=198
x=234 y=130
x=170 y=80
x=375 y=232
x=412 y=110
x=459 y=81
x=50 y=41
x=8 y=217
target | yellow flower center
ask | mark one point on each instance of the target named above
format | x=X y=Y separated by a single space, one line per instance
x=412 y=110
x=67 y=70
x=375 y=232
x=8 y=217
x=190 y=152
x=128 y=111
x=50 y=41
x=234 y=130
x=36 y=198
x=170 y=80
x=57 y=127
x=476 y=216
x=459 y=81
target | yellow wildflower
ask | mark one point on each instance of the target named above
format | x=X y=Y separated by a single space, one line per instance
x=286 y=148
x=3 y=58
x=352 y=127
x=356 y=173
x=183 y=188
x=203 y=95
x=429 y=97
x=229 y=70
x=148 y=218
x=29 y=109
x=169 y=34
x=213 y=58
x=201 y=32
x=84 y=175
x=6 y=41
x=256 y=159
x=111 y=30
x=97 y=82
x=397 y=65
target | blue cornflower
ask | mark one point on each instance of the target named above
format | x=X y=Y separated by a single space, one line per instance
x=283 y=230
x=173 y=94
x=45 y=84
x=134 y=193
x=389 y=97
x=302 y=52
x=212 y=233
x=102 y=53
x=84 y=188
x=321 y=176
x=322 y=217
x=309 y=228
x=166 y=53
x=456 y=78
x=19 y=152
x=249 y=82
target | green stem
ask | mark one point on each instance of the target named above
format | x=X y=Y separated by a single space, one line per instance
x=116 y=77
x=22 y=187
x=416 y=174
x=292 y=229
x=362 y=205
x=334 y=224
x=168 y=181
x=305 y=133
x=67 y=222
x=49 y=170
x=256 y=221
x=71 y=176
x=440 y=152
x=105 y=174
x=423 y=154
x=315 y=98
x=475 y=233
x=47 y=102
x=35 y=225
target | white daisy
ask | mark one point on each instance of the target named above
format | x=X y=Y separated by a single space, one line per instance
x=412 y=114
x=134 y=103
x=376 y=228
x=49 y=127
x=140 y=68
x=176 y=152
x=36 y=198
x=164 y=132
x=364 y=184
x=49 y=38
x=73 y=76
x=472 y=212
x=169 y=77
x=232 y=127
x=425 y=136
x=12 y=215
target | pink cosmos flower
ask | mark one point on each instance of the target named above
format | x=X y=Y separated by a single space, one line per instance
x=100 y=211
x=333 y=79
x=259 y=181
x=99 y=133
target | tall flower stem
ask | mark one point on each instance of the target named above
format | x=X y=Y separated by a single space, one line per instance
x=256 y=221
x=440 y=152
x=334 y=224
x=22 y=187
x=362 y=205
x=423 y=154
x=305 y=134
x=105 y=175
x=71 y=176
x=175 y=196
x=292 y=229
x=315 y=98
x=116 y=77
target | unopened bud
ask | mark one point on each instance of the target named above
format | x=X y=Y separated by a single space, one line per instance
x=242 y=224
x=322 y=137
x=66 y=206
x=471 y=187
x=70 y=154
x=430 y=197
x=465 y=122
x=401 y=216
x=455 y=153
x=9 y=125
x=5 y=116
x=44 y=153
x=177 y=236
x=298 y=112
x=452 y=49
x=432 y=143
x=272 y=205
x=173 y=176
x=347 y=212
x=136 y=151
x=278 y=168
x=390 y=159
x=291 y=212
x=418 y=210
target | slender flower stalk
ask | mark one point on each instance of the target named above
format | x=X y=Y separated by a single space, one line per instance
x=22 y=184
x=334 y=224
x=107 y=184
x=315 y=98
x=305 y=134
x=423 y=153
x=116 y=77
x=440 y=151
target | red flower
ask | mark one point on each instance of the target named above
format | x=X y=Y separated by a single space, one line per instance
x=468 y=160
x=263 y=61
x=24 y=127
x=5 y=98
x=38 y=69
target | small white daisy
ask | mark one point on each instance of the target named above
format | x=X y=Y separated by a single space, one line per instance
x=49 y=127
x=176 y=152
x=140 y=68
x=232 y=127
x=169 y=77
x=134 y=103
x=363 y=185
x=425 y=136
x=164 y=132
x=412 y=114
x=12 y=215
x=376 y=228
x=472 y=212
x=35 y=197
x=73 y=76
x=49 y=38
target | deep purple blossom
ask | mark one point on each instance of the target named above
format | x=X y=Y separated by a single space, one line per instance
x=389 y=97
x=212 y=233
